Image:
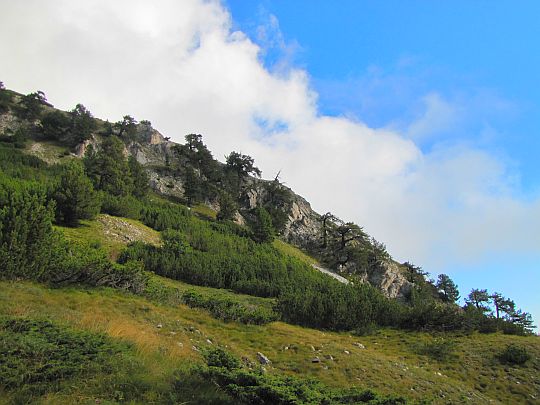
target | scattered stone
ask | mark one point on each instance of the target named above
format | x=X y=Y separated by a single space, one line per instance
x=312 y=347
x=262 y=358
x=208 y=341
x=286 y=348
x=159 y=325
x=194 y=348
x=346 y=352
x=329 y=357
x=197 y=331
x=315 y=360
x=173 y=333
x=180 y=344
x=247 y=362
x=325 y=367
x=360 y=345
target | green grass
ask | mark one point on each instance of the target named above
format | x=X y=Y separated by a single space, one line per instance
x=111 y=233
x=293 y=251
x=204 y=211
x=389 y=363
x=49 y=151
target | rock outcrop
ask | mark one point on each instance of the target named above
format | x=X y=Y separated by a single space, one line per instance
x=303 y=226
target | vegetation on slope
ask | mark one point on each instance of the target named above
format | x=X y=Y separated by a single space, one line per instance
x=79 y=251
x=389 y=362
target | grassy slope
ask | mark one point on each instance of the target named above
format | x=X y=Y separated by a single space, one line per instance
x=389 y=363
x=112 y=233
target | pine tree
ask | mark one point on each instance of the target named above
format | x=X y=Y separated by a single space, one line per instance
x=263 y=231
x=108 y=168
x=139 y=178
x=227 y=207
x=75 y=196
x=447 y=288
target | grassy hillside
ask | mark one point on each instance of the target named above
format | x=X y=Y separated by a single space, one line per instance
x=167 y=338
x=110 y=294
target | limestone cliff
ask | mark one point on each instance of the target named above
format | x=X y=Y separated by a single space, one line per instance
x=303 y=227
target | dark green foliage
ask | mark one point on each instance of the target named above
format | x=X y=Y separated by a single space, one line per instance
x=82 y=124
x=228 y=310
x=514 y=354
x=27 y=239
x=139 y=178
x=121 y=206
x=55 y=125
x=31 y=105
x=227 y=207
x=83 y=264
x=5 y=99
x=220 y=259
x=263 y=230
x=447 y=288
x=257 y=387
x=17 y=139
x=126 y=128
x=108 y=168
x=165 y=216
x=432 y=315
x=75 y=196
x=37 y=356
x=242 y=165
x=278 y=203
x=335 y=306
x=70 y=128
x=440 y=349
x=478 y=298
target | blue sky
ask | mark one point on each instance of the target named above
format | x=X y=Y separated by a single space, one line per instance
x=375 y=61
x=419 y=121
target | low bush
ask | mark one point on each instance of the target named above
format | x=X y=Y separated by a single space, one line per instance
x=90 y=266
x=257 y=387
x=121 y=206
x=514 y=354
x=439 y=349
x=228 y=310
x=38 y=356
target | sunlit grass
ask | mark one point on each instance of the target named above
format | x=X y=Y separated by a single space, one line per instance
x=111 y=233
x=291 y=250
x=163 y=337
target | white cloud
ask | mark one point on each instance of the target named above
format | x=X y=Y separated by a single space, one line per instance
x=180 y=65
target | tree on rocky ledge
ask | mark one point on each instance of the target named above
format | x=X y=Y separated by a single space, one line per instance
x=448 y=290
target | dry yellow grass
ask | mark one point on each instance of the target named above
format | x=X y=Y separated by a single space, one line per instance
x=164 y=337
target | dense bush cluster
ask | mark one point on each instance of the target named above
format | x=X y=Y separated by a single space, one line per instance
x=37 y=356
x=227 y=309
x=514 y=354
x=31 y=249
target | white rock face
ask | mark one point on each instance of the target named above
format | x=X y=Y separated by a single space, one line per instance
x=263 y=359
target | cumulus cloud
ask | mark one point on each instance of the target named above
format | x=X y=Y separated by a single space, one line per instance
x=181 y=65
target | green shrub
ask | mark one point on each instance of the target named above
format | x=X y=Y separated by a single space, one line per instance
x=121 y=206
x=514 y=354
x=439 y=349
x=27 y=240
x=257 y=387
x=228 y=310
x=83 y=264
x=37 y=356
